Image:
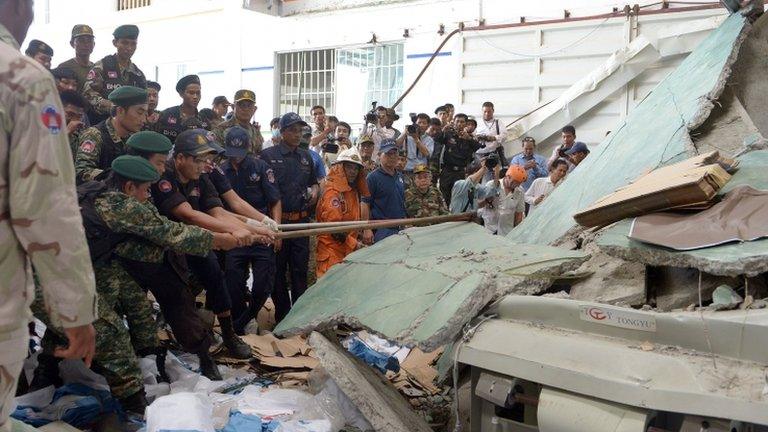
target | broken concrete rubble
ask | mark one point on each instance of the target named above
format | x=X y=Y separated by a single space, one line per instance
x=611 y=280
x=420 y=287
x=370 y=391
x=656 y=133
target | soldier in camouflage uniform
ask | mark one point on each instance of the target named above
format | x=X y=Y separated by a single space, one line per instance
x=40 y=224
x=244 y=108
x=112 y=72
x=422 y=199
x=365 y=148
x=101 y=144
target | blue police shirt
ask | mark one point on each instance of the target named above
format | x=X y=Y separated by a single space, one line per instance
x=387 y=199
x=319 y=165
x=254 y=181
x=294 y=172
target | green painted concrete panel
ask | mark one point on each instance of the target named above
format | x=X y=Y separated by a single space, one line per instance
x=410 y=286
x=654 y=134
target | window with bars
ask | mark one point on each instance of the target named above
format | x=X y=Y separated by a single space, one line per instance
x=307 y=78
x=383 y=65
x=363 y=74
x=132 y=4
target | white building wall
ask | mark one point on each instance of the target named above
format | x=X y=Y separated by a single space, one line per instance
x=231 y=47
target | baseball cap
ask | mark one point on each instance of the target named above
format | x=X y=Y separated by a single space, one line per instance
x=241 y=95
x=577 y=147
x=194 y=142
x=387 y=145
x=236 y=142
x=290 y=119
x=81 y=30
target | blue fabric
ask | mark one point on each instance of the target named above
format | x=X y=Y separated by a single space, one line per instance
x=540 y=170
x=374 y=358
x=414 y=158
x=82 y=411
x=239 y=422
x=254 y=181
x=387 y=199
x=294 y=171
x=319 y=165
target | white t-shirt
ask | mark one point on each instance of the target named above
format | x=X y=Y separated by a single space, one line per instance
x=490 y=128
x=508 y=204
x=540 y=186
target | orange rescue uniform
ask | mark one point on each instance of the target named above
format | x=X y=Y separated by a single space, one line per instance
x=340 y=202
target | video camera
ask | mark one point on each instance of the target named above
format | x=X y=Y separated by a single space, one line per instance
x=491 y=161
x=371 y=116
x=412 y=128
x=330 y=145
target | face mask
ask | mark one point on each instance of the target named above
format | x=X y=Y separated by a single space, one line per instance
x=275 y=133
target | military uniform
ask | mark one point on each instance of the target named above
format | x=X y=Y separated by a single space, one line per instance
x=295 y=173
x=107 y=75
x=255 y=140
x=37 y=189
x=81 y=71
x=424 y=204
x=100 y=144
x=254 y=181
x=171 y=122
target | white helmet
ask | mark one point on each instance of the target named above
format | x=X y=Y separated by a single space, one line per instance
x=349 y=155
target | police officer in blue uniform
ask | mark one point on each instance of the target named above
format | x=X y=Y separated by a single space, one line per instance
x=253 y=180
x=297 y=181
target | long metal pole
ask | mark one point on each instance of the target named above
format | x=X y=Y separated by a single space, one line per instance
x=375 y=225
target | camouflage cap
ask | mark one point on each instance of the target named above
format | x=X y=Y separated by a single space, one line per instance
x=126 y=96
x=365 y=139
x=241 y=95
x=81 y=30
x=182 y=84
x=135 y=168
x=37 y=46
x=421 y=168
x=149 y=142
x=127 y=31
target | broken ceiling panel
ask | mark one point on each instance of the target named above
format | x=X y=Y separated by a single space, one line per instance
x=420 y=287
x=655 y=133
x=747 y=258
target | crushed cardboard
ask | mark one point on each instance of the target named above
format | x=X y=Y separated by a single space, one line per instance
x=691 y=182
x=290 y=353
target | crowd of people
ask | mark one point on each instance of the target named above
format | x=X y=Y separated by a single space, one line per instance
x=182 y=200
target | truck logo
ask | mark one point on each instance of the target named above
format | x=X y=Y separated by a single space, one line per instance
x=596 y=313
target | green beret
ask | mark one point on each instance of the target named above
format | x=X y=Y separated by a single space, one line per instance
x=127 y=31
x=126 y=96
x=182 y=84
x=149 y=142
x=135 y=168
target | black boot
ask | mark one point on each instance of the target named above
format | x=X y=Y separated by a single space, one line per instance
x=46 y=372
x=237 y=348
x=135 y=403
x=207 y=367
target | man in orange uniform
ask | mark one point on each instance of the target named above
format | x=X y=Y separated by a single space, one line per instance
x=344 y=186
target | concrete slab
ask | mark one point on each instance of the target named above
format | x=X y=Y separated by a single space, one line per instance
x=656 y=133
x=420 y=287
x=733 y=259
x=370 y=391
x=612 y=280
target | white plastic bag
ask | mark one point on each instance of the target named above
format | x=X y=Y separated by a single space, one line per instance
x=305 y=426
x=181 y=411
x=272 y=402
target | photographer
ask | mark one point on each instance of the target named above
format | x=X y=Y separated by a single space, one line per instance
x=490 y=130
x=458 y=149
x=417 y=143
x=335 y=144
x=384 y=130
x=320 y=127
x=568 y=138
x=466 y=191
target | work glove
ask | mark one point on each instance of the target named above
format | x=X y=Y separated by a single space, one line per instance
x=269 y=223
